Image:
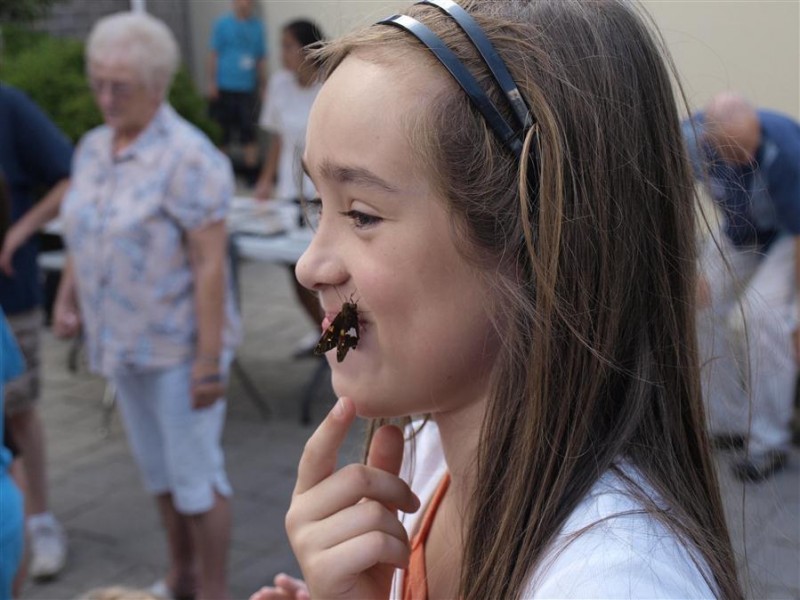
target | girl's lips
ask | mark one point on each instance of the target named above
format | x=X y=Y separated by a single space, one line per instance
x=330 y=316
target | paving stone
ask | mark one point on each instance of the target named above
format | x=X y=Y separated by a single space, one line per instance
x=259 y=525
x=260 y=570
x=123 y=514
x=92 y=562
x=779 y=593
x=775 y=566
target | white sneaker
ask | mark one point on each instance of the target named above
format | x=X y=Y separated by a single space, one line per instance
x=48 y=549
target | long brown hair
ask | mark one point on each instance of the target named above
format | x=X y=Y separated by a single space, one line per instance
x=594 y=272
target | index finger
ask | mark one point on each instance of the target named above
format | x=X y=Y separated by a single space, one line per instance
x=322 y=448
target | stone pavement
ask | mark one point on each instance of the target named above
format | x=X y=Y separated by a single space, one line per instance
x=113 y=528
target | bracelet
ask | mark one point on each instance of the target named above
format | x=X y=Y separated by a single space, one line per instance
x=213 y=378
x=211 y=359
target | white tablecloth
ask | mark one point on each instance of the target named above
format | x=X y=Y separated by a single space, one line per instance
x=263 y=231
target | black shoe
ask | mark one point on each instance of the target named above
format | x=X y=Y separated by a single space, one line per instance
x=727 y=441
x=759 y=467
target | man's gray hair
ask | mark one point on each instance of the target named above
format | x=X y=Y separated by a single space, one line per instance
x=139 y=39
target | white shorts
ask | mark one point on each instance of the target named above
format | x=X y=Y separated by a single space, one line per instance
x=177 y=448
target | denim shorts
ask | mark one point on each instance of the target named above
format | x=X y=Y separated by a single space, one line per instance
x=177 y=448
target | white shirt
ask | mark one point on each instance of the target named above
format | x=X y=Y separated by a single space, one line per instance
x=286 y=114
x=619 y=556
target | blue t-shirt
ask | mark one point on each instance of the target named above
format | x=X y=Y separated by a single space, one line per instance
x=759 y=201
x=239 y=45
x=11 y=514
x=10 y=367
x=34 y=156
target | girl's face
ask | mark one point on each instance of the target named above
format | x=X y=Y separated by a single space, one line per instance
x=291 y=52
x=385 y=240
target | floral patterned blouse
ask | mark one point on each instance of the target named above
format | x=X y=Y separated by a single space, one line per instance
x=125 y=219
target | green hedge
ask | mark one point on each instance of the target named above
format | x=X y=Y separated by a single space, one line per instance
x=24 y=10
x=51 y=71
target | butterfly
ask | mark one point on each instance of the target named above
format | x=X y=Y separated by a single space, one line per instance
x=342 y=333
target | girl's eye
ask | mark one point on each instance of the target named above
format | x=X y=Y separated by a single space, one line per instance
x=361 y=220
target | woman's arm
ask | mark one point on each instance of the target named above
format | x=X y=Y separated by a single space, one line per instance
x=266 y=181
x=66 y=313
x=207 y=254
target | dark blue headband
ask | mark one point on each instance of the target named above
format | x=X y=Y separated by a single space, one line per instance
x=507 y=134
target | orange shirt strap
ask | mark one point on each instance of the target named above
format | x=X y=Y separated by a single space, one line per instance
x=415 y=582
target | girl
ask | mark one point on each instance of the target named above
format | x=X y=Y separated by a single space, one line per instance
x=516 y=230
x=292 y=91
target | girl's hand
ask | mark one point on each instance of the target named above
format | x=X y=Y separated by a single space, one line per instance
x=285 y=588
x=343 y=525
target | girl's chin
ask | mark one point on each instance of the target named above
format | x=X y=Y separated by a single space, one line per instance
x=368 y=410
x=367 y=404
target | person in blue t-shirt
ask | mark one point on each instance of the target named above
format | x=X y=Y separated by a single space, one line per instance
x=34 y=156
x=236 y=77
x=12 y=519
x=749 y=163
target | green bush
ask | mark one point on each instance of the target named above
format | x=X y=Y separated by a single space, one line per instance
x=17 y=38
x=193 y=107
x=24 y=10
x=52 y=72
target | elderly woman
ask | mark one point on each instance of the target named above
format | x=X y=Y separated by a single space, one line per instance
x=146 y=279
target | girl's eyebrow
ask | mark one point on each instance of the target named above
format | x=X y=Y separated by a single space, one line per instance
x=353 y=175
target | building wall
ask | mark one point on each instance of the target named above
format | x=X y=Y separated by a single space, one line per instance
x=334 y=16
x=75 y=18
x=752 y=46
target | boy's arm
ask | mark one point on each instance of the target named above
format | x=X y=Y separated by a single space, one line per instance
x=33 y=220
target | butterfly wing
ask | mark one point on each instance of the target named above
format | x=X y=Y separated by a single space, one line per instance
x=342 y=333
x=328 y=339
x=346 y=342
x=348 y=332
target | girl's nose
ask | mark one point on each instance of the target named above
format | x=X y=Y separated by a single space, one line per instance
x=321 y=264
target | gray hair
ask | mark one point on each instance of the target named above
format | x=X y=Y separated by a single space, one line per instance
x=142 y=41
